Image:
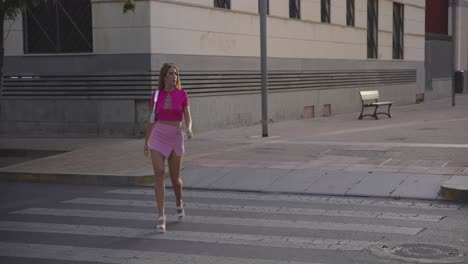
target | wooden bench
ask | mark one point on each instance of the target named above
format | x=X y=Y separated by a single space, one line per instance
x=371 y=99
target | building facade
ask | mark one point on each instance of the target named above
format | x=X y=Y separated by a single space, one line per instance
x=89 y=72
x=440 y=52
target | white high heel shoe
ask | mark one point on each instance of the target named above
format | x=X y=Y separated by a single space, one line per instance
x=180 y=212
x=161 y=228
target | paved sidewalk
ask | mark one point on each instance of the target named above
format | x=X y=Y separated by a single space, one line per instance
x=411 y=155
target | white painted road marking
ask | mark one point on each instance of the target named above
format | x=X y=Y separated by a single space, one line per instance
x=295 y=198
x=207 y=237
x=263 y=209
x=229 y=221
x=118 y=256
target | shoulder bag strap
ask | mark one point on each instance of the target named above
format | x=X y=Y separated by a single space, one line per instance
x=153 y=112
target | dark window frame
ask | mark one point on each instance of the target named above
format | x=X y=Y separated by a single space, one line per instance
x=59 y=27
x=268 y=6
x=350 y=13
x=226 y=4
x=372 y=29
x=295 y=9
x=398 y=31
x=325 y=11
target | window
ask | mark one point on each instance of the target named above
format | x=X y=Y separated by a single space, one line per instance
x=222 y=4
x=372 y=28
x=398 y=33
x=350 y=12
x=325 y=11
x=268 y=6
x=295 y=9
x=60 y=26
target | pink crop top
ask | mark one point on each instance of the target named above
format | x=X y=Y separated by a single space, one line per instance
x=170 y=105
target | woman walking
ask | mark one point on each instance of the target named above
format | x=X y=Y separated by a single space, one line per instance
x=164 y=138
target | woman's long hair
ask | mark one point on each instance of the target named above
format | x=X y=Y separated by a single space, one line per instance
x=162 y=73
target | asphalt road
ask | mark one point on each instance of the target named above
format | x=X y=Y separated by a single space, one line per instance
x=52 y=223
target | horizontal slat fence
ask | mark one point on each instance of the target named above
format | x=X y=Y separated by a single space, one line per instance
x=138 y=86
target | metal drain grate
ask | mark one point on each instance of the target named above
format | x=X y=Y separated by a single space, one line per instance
x=420 y=253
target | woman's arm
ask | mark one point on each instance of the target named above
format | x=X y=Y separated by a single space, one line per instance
x=188 y=121
x=149 y=128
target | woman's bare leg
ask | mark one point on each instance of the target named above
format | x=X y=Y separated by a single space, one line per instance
x=158 y=167
x=175 y=163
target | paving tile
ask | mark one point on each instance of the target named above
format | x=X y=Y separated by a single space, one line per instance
x=421 y=186
x=444 y=170
x=248 y=179
x=375 y=148
x=202 y=177
x=315 y=164
x=360 y=167
x=287 y=165
x=413 y=169
x=464 y=171
x=398 y=162
x=427 y=163
x=387 y=168
x=295 y=181
x=378 y=184
x=336 y=166
x=337 y=183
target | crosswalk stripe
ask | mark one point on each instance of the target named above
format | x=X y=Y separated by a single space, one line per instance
x=224 y=238
x=228 y=221
x=297 y=198
x=263 y=209
x=118 y=256
x=371 y=144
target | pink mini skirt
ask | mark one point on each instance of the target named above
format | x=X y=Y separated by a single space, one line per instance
x=165 y=139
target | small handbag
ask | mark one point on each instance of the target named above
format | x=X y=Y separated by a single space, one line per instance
x=154 y=115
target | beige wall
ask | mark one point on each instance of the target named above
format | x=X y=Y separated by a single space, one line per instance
x=337 y=10
x=118 y=33
x=385 y=29
x=206 y=3
x=416 y=3
x=414 y=30
x=310 y=10
x=414 y=33
x=244 y=5
x=201 y=29
x=280 y=8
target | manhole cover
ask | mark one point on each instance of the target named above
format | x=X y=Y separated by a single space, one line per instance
x=419 y=253
x=425 y=251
